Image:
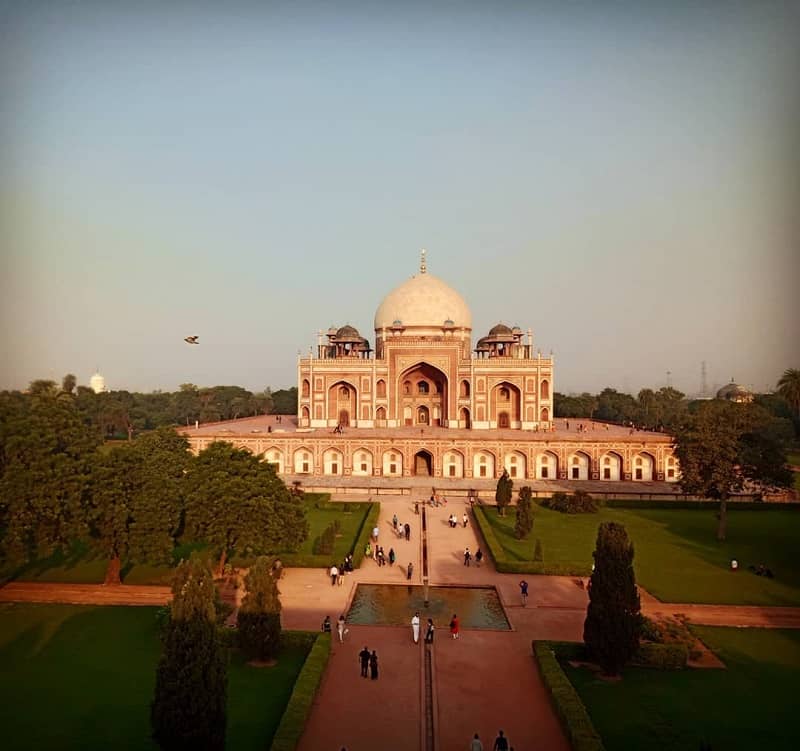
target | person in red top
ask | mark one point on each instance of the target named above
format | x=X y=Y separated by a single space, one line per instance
x=454 y=626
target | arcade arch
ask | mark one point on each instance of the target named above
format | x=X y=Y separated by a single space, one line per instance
x=515 y=464
x=332 y=462
x=483 y=464
x=274 y=456
x=610 y=466
x=362 y=462
x=579 y=466
x=453 y=464
x=643 y=465
x=392 y=463
x=547 y=466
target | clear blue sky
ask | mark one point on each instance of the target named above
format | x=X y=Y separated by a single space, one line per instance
x=624 y=181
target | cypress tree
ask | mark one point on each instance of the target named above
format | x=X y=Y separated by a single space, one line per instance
x=611 y=629
x=259 y=619
x=189 y=705
x=502 y=495
x=524 y=520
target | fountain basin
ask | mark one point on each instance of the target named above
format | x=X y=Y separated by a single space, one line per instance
x=394 y=605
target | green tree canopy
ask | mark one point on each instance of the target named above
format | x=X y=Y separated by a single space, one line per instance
x=137 y=499
x=259 y=619
x=523 y=524
x=724 y=447
x=46 y=455
x=190 y=699
x=789 y=388
x=502 y=494
x=235 y=501
x=612 y=625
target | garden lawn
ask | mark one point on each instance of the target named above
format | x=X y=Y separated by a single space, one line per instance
x=320 y=514
x=76 y=677
x=677 y=555
x=750 y=705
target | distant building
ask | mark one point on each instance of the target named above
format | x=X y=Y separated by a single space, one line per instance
x=733 y=392
x=97 y=383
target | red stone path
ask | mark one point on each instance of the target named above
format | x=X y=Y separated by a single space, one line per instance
x=483 y=681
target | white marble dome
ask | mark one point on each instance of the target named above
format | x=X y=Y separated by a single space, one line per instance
x=97 y=383
x=424 y=301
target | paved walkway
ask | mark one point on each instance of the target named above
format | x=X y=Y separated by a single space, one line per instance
x=483 y=681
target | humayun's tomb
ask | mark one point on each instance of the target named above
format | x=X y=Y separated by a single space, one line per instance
x=423 y=403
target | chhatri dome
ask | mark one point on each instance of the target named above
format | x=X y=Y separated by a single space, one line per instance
x=424 y=301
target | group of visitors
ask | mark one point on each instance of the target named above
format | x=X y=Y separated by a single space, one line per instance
x=437 y=500
x=429 y=629
x=452 y=520
x=339 y=429
x=337 y=572
x=369 y=663
x=500 y=743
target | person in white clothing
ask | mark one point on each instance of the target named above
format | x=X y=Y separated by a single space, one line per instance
x=476 y=744
x=415 y=627
x=340 y=628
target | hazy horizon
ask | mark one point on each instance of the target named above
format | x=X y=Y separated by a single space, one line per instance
x=622 y=180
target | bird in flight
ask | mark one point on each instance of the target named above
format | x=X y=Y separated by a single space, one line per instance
x=191 y=339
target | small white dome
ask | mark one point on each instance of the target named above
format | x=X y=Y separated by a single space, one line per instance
x=97 y=383
x=423 y=301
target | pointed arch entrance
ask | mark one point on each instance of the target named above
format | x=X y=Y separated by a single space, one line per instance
x=422 y=395
x=423 y=464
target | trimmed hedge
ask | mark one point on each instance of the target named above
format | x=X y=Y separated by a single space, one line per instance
x=505 y=565
x=364 y=534
x=661 y=656
x=302 y=639
x=297 y=710
x=568 y=705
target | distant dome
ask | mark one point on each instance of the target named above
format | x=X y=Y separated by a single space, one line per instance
x=423 y=301
x=500 y=330
x=348 y=333
x=97 y=383
x=482 y=345
x=733 y=392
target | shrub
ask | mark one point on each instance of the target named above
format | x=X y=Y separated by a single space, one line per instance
x=580 y=502
x=661 y=656
x=298 y=639
x=297 y=710
x=324 y=544
x=502 y=495
x=538 y=555
x=567 y=703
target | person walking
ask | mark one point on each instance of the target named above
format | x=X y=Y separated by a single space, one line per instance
x=340 y=628
x=375 y=531
x=392 y=557
x=334 y=575
x=364 y=656
x=501 y=742
x=407 y=529
x=394 y=522
x=415 y=627
x=410 y=571
x=523 y=592
x=476 y=744
x=326 y=625
x=373 y=665
x=454 y=626
x=465 y=519
x=467 y=556
x=478 y=557
x=429 y=629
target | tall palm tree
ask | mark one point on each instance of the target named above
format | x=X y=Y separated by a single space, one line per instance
x=789 y=388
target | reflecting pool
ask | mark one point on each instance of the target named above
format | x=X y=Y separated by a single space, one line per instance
x=393 y=605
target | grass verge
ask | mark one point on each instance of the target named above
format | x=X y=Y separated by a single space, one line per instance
x=297 y=710
x=567 y=703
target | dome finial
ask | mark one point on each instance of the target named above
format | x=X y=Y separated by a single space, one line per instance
x=423 y=268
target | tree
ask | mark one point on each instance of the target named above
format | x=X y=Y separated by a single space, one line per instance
x=235 y=501
x=502 y=495
x=789 y=388
x=524 y=521
x=259 y=619
x=137 y=500
x=68 y=383
x=189 y=704
x=284 y=401
x=45 y=471
x=725 y=446
x=611 y=628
